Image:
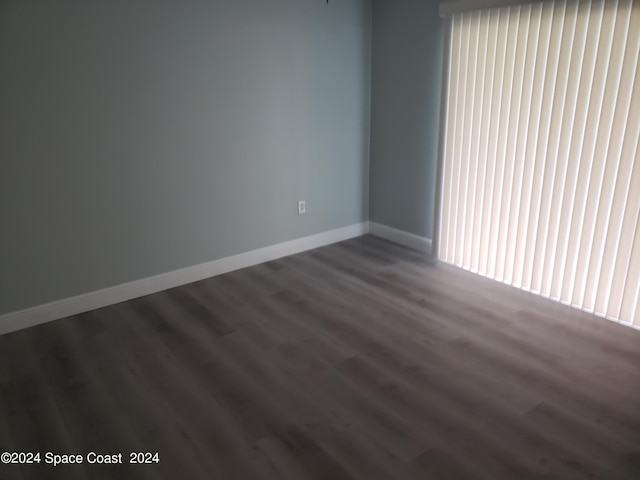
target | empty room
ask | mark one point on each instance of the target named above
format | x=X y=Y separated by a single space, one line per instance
x=320 y=239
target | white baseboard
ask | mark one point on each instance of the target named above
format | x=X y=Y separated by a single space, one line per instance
x=120 y=293
x=407 y=239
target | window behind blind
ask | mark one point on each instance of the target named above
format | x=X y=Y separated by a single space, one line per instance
x=541 y=180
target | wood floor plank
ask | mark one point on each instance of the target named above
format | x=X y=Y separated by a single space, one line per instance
x=359 y=360
x=221 y=442
x=138 y=403
x=85 y=400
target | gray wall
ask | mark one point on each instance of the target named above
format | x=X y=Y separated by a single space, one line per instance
x=138 y=137
x=406 y=79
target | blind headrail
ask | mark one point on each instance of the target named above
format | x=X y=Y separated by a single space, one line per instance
x=451 y=7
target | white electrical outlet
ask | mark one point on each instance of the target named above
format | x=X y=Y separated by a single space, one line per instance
x=302 y=207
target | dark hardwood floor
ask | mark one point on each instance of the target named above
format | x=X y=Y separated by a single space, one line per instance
x=358 y=360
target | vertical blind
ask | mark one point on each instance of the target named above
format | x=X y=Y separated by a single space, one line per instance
x=541 y=179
